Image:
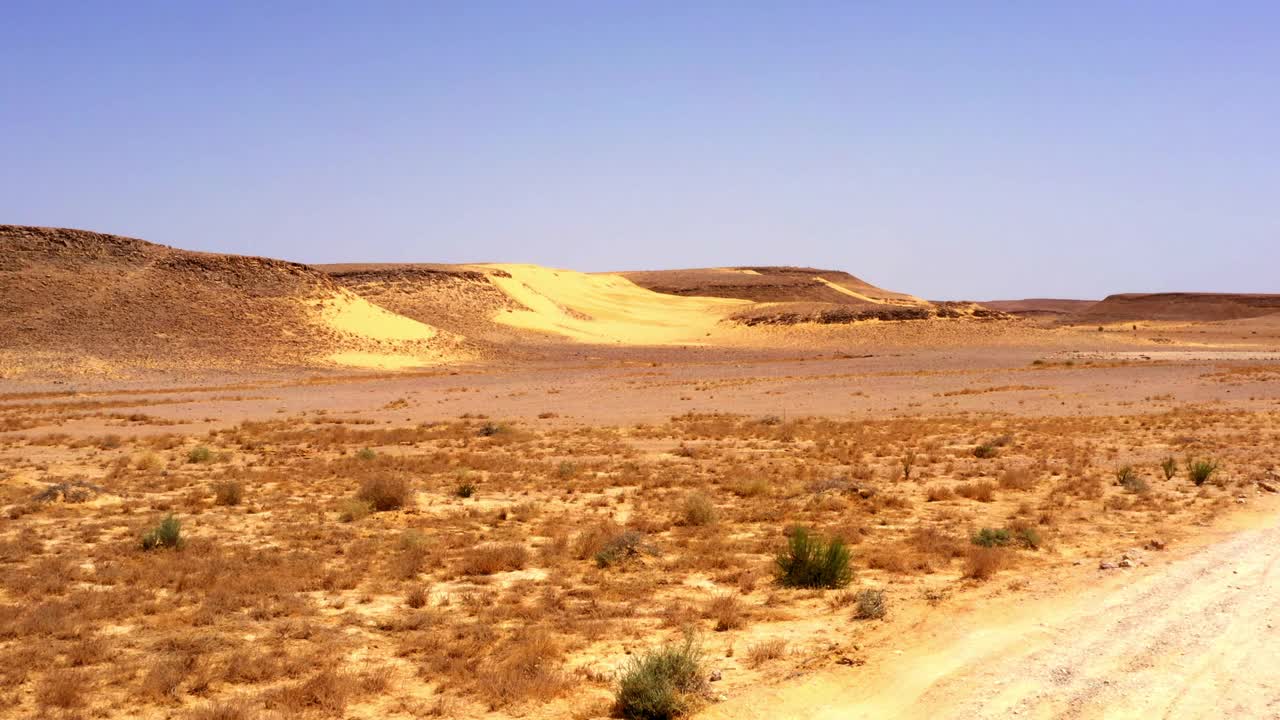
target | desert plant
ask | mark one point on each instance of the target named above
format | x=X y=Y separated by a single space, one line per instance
x=764 y=651
x=727 y=611
x=698 y=510
x=992 y=537
x=984 y=562
x=366 y=454
x=869 y=604
x=939 y=492
x=1201 y=470
x=625 y=545
x=166 y=534
x=228 y=492
x=811 y=562
x=662 y=684
x=199 y=454
x=1128 y=478
x=1170 y=468
x=353 y=509
x=465 y=489
x=385 y=492
x=1028 y=537
x=908 y=462
x=986 y=451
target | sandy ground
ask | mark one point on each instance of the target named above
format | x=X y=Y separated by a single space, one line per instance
x=1184 y=638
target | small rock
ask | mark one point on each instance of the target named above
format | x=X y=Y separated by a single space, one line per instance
x=1125 y=562
x=1155 y=544
x=715 y=676
x=1266 y=486
x=1104 y=565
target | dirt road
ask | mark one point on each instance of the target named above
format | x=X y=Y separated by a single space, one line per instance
x=1198 y=638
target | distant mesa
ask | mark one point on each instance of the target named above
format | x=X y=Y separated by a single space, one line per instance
x=1181 y=307
x=1040 y=307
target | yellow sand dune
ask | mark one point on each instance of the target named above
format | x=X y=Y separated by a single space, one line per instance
x=349 y=313
x=605 y=308
x=381 y=339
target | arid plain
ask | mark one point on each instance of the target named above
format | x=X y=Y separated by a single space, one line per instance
x=240 y=488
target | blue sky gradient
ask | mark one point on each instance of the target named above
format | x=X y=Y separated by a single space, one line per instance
x=952 y=150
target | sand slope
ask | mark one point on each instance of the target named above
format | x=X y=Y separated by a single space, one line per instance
x=604 y=308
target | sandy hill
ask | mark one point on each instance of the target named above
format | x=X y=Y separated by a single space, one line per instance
x=114 y=299
x=1181 y=307
x=499 y=303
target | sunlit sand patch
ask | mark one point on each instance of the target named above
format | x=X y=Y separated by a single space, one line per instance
x=349 y=313
x=605 y=308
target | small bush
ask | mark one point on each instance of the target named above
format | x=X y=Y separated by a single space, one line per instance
x=984 y=562
x=811 y=562
x=495 y=557
x=1128 y=478
x=1201 y=470
x=465 y=490
x=418 y=597
x=727 y=611
x=489 y=430
x=939 y=492
x=353 y=509
x=228 y=492
x=764 y=651
x=986 y=451
x=992 y=537
x=982 y=491
x=385 y=492
x=366 y=454
x=199 y=455
x=869 y=604
x=698 y=510
x=1028 y=537
x=167 y=534
x=628 y=544
x=662 y=684
x=1170 y=468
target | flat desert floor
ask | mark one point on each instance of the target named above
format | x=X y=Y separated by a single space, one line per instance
x=1082 y=527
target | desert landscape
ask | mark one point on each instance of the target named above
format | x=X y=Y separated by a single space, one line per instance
x=243 y=488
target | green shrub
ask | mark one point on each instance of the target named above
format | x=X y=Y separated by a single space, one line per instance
x=662 y=684
x=869 y=604
x=1170 y=468
x=1201 y=470
x=986 y=451
x=465 y=490
x=366 y=454
x=811 y=562
x=992 y=537
x=167 y=534
x=199 y=455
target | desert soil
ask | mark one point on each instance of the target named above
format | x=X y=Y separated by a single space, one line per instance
x=1187 y=639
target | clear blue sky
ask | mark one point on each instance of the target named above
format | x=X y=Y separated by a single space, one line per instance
x=948 y=149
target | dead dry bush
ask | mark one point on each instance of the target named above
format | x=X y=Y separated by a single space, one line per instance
x=385 y=492
x=491 y=558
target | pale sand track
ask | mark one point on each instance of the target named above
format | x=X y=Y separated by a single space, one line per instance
x=1199 y=638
